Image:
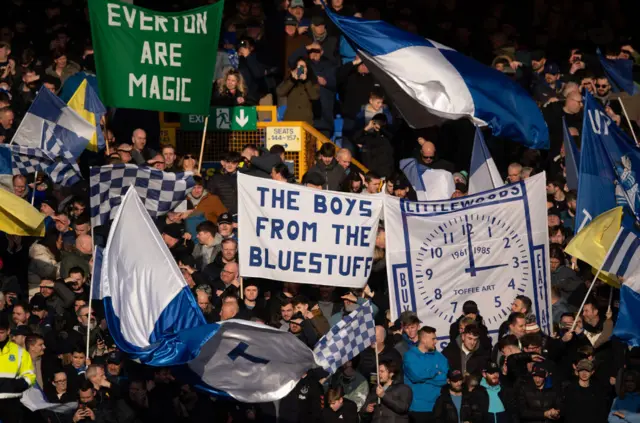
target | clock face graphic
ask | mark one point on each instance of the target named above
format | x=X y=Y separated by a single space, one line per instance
x=486 y=256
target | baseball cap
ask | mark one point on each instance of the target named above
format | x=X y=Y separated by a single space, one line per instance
x=297 y=318
x=51 y=202
x=225 y=218
x=400 y=183
x=470 y=307
x=296 y=3
x=21 y=330
x=114 y=357
x=491 y=367
x=455 y=375
x=38 y=303
x=174 y=230
x=584 y=364
x=539 y=369
x=551 y=68
x=317 y=20
x=290 y=21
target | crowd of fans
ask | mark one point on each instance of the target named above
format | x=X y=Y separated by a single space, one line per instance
x=290 y=54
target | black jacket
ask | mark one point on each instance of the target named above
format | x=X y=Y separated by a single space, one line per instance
x=225 y=186
x=485 y=339
x=377 y=152
x=302 y=405
x=333 y=174
x=475 y=361
x=393 y=407
x=585 y=404
x=348 y=413
x=367 y=360
x=354 y=89
x=533 y=402
x=474 y=408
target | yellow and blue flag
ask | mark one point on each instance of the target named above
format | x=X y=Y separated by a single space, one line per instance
x=86 y=103
x=18 y=217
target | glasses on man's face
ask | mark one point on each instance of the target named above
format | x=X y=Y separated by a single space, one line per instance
x=602 y=85
x=428 y=157
x=87 y=315
x=61 y=381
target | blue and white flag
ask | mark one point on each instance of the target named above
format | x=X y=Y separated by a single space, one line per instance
x=160 y=191
x=571 y=157
x=620 y=73
x=483 y=173
x=96 y=272
x=429 y=184
x=623 y=260
x=422 y=74
x=48 y=112
x=35 y=400
x=153 y=317
x=346 y=339
x=609 y=161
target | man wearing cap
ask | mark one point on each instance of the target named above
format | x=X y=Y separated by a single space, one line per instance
x=319 y=38
x=538 y=402
x=425 y=372
x=551 y=87
x=502 y=401
x=303 y=330
x=585 y=401
x=252 y=307
x=456 y=405
x=40 y=313
x=113 y=370
x=225 y=185
x=59 y=298
x=173 y=237
x=17 y=374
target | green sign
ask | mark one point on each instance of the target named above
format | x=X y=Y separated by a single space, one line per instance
x=222 y=119
x=155 y=61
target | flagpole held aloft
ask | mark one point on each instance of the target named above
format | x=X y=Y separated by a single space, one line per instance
x=624 y=110
x=204 y=136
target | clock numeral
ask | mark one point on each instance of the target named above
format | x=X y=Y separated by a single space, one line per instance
x=437 y=293
x=512 y=284
x=436 y=252
x=497 y=302
x=516 y=262
x=468 y=227
x=448 y=238
x=507 y=244
x=489 y=228
x=455 y=305
x=429 y=273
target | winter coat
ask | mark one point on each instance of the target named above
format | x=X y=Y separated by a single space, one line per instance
x=565 y=279
x=393 y=407
x=585 y=404
x=474 y=407
x=509 y=402
x=476 y=360
x=348 y=413
x=377 y=152
x=62 y=298
x=333 y=174
x=299 y=96
x=74 y=258
x=367 y=364
x=211 y=206
x=485 y=339
x=533 y=402
x=425 y=374
x=225 y=186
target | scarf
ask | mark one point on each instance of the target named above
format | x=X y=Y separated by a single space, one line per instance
x=319 y=38
x=495 y=403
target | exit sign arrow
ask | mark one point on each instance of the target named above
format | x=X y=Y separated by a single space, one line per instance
x=242 y=119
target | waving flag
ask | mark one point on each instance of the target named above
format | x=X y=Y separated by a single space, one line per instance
x=160 y=191
x=346 y=339
x=483 y=173
x=620 y=73
x=429 y=184
x=48 y=112
x=18 y=217
x=153 y=317
x=423 y=75
x=623 y=260
x=86 y=103
x=571 y=157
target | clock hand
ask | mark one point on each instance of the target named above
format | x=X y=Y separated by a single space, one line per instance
x=472 y=263
x=479 y=269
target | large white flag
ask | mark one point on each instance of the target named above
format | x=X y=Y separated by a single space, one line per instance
x=488 y=247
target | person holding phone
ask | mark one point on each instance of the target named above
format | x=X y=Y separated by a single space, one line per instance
x=301 y=88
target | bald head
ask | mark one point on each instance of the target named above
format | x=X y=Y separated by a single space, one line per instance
x=381 y=334
x=139 y=139
x=229 y=273
x=428 y=151
x=229 y=310
x=573 y=103
x=344 y=158
x=84 y=244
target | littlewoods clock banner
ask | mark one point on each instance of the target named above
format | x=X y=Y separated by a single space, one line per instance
x=488 y=247
x=155 y=61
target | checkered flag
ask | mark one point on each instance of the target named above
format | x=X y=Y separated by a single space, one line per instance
x=159 y=191
x=28 y=160
x=346 y=339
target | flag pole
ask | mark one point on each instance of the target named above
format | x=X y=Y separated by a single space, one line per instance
x=584 y=301
x=377 y=367
x=204 y=135
x=610 y=298
x=90 y=295
x=35 y=185
x=624 y=110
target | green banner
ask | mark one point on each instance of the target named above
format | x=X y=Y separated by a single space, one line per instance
x=155 y=61
x=222 y=119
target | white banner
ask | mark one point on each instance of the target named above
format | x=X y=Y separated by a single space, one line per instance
x=488 y=247
x=297 y=234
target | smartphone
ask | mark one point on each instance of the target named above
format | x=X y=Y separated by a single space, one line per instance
x=300 y=70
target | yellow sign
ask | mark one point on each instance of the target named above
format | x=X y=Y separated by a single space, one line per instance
x=168 y=136
x=290 y=137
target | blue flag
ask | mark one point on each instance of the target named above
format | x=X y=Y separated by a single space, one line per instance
x=431 y=83
x=608 y=165
x=571 y=158
x=620 y=74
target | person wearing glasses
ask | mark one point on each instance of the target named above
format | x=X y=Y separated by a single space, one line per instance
x=428 y=157
x=59 y=393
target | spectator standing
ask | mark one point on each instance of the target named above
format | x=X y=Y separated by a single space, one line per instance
x=425 y=372
x=327 y=167
x=585 y=400
x=301 y=88
x=340 y=409
x=537 y=401
x=395 y=397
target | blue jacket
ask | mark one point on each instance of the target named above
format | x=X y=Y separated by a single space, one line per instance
x=426 y=374
x=629 y=406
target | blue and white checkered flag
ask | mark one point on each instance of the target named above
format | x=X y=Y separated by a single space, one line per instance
x=346 y=339
x=28 y=160
x=160 y=191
